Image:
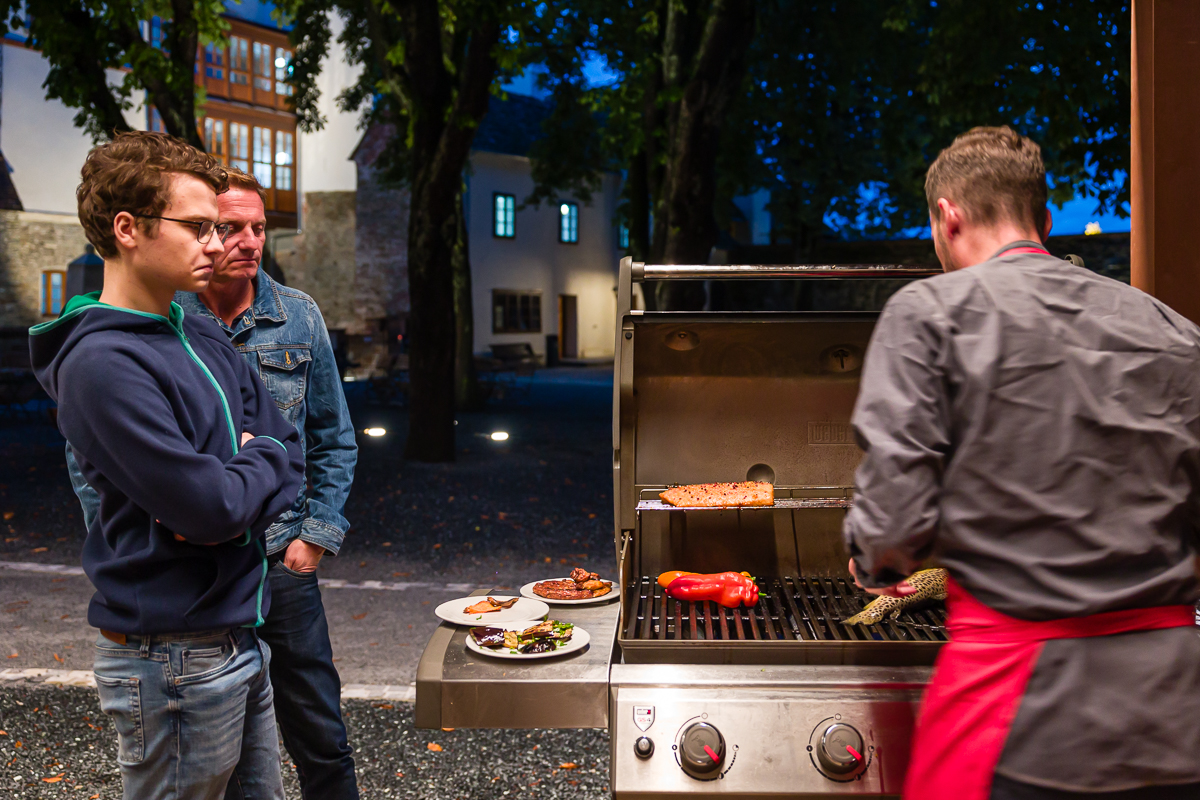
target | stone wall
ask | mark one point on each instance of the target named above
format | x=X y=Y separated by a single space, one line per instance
x=320 y=261
x=381 y=251
x=30 y=244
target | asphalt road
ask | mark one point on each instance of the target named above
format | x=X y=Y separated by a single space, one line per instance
x=501 y=515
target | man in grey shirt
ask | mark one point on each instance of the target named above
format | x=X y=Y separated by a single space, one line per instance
x=1035 y=429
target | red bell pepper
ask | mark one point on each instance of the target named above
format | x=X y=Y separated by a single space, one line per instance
x=730 y=589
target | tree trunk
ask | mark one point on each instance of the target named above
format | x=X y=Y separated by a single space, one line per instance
x=446 y=112
x=467 y=396
x=708 y=83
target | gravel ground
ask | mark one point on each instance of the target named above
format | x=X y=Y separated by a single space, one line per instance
x=57 y=743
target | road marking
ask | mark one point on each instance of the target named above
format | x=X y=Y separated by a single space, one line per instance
x=328 y=583
x=84 y=677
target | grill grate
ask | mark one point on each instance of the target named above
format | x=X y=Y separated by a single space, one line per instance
x=789 y=609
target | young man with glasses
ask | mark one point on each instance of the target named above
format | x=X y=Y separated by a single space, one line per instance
x=282 y=335
x=191 y=461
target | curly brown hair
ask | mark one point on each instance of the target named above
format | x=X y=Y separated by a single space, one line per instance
x=991 y=173
x=132 y=173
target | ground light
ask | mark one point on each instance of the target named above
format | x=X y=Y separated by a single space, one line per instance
x=375 y=432
x=499 y=436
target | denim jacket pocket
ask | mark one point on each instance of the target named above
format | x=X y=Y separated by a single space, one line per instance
x=121 y=699
x=284 y=371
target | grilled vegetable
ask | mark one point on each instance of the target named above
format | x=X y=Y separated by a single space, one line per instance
x=538 y=646
x=667 y=578
x=488 y=637
x=489 y=605
x=730 y=589
x=930 y=584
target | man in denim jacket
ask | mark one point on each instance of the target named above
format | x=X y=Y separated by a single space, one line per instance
x=281 y=332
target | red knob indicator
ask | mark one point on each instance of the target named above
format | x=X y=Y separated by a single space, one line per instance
x=853 y=752
x=711 y=753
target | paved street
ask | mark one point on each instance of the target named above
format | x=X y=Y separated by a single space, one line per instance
x=500 y=516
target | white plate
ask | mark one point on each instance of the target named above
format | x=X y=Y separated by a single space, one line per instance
x=527 y=591
x=524 y=610
x=579 y=640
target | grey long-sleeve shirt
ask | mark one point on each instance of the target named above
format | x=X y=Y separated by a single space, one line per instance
x=1036 y=429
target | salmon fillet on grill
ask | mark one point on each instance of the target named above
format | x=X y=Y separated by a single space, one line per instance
x=718 y=495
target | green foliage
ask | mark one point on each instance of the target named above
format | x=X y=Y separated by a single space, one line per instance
x=84 y=39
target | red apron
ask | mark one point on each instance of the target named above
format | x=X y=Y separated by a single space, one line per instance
x=978 y=681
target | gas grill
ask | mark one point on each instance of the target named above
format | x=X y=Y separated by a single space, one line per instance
x=782 y=699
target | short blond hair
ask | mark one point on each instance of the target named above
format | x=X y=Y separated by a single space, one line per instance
x=992 y=174
x=244 y=180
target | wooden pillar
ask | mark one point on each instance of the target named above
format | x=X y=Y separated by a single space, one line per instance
x=1165 y=157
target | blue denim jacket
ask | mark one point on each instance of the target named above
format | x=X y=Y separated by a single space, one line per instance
x=283 y=336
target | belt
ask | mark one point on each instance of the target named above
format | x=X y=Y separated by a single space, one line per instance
x=183 y=636
x=978 y=681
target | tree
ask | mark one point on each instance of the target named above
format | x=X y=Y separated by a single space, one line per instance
x=83 y=39
x=429 y=67
x=681 y=65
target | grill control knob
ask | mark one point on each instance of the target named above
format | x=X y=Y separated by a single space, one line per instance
x=841 y=749
x=701 y=749
x=643 y=747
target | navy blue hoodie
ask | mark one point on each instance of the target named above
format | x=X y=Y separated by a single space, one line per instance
x=154 y=408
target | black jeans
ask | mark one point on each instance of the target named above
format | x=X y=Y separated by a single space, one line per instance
x=307 y=688
x=1006 y=789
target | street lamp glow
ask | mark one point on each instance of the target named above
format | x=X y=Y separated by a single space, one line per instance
x=375 y=432
x=499 y=436
x=564 y=209
x=281 y=62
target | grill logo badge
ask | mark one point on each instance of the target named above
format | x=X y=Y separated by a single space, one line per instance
x=643 y=717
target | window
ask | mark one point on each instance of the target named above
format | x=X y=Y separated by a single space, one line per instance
x=264 y=66
x=284 y=158
x=239 y=60
x=239 y=146
x=214 y=138
x=53 y=288
x=263 y=156
x=283 y=71
x=153 y=32
x=214 y=62
x=504 y=211
x=154 y=121
x=568 y=223
x=623 y=236
x=516 y=312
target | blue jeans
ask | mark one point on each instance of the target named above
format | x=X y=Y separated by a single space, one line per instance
x=193 y=715
x=308 y=690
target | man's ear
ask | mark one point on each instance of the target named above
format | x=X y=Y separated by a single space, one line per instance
x=952 y=217
x=125 y=230
x=1049 y=224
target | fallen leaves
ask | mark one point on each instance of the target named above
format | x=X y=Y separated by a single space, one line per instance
x=52 y=779
x=433 y=747
x=57 y=657
x=568 y=765
x=357 y=617
x=39 y=549
x=9 y=515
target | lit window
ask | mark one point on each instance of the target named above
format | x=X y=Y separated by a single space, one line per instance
x=239 y=146
x=504 y=211
x=623 y=236
x=568 y=223
x=239 y=60
x=214 y=138
x=263 y=156
x=264 y=66
x=155 y=33
x=214 y=62
x=53 y=288
x=516 y=312
x=154 y=121
x=284 y=158
x=283 y=71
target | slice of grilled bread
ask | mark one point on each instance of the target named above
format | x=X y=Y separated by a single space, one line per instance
x=717 y=495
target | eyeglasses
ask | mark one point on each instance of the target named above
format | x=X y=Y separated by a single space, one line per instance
x=204 y=228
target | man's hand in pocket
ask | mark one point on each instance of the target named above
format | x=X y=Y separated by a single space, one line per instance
x=302 y=556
